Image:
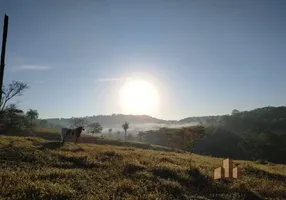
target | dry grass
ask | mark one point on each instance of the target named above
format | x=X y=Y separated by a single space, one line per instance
x=34 y=168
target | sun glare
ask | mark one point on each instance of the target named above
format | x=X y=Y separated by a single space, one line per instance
x=139 y=97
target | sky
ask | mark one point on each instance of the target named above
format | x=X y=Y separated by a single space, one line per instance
x=204 y=57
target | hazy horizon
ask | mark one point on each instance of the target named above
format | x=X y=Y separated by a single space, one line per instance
x=157 y=117
x=163 y=58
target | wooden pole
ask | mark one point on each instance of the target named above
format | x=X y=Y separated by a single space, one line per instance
x=4 y=40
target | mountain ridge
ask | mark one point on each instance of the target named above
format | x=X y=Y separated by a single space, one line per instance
x=118 y=119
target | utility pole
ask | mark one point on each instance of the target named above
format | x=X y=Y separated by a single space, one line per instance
x=2 y=66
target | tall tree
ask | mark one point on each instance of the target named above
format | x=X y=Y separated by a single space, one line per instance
x=32 y=115
x=234 y=112
x=125 y=126
x=14 y=120
x=15 y=88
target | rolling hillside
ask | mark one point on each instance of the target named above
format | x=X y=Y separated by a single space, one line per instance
x=34 y=168
x=267 y=116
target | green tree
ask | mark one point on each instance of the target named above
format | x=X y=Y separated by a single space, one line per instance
x=125 y=126
x=11 y=113
x=185 y=138
x=95 y=128
x=32 y=115
x=14 y=120
x=234 y=112
x=194 y=134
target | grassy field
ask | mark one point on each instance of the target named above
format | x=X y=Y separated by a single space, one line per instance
x=35 y=168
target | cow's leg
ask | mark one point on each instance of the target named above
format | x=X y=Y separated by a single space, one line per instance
x=63 y=140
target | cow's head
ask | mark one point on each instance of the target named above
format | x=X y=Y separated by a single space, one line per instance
x=81 y=128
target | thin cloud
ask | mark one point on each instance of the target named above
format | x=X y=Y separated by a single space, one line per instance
x=113 y=79
x=33 y=67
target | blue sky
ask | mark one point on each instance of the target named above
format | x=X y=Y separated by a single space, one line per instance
x=204 y=57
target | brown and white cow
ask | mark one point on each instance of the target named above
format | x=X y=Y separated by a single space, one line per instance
x=67 y=132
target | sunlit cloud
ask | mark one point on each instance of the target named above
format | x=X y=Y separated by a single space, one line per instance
x=113 y=79
x=33 y=67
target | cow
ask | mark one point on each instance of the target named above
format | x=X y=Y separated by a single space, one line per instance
x=66 y=132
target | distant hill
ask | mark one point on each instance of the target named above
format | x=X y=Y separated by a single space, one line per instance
x=111 y=120
x=266 y=115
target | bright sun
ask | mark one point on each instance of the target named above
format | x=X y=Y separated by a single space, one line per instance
x=139 y=97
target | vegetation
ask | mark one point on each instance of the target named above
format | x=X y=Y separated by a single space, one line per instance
x=259 y=134
x=13 y=120
x=110 y=120
x=14 y=89
x=125 y=126
x=32 y=114
x=180 y=138
x=95 y=128
x=88 y=171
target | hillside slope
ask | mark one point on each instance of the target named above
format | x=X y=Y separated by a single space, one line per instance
x=34 y=168
x=266 y=117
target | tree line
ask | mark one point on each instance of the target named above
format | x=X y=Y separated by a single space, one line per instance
x=259 y=134
x=13 y=119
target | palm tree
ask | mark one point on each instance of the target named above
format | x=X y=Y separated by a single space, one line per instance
x=32 y=114
x=125 y=126
x=109 y=132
